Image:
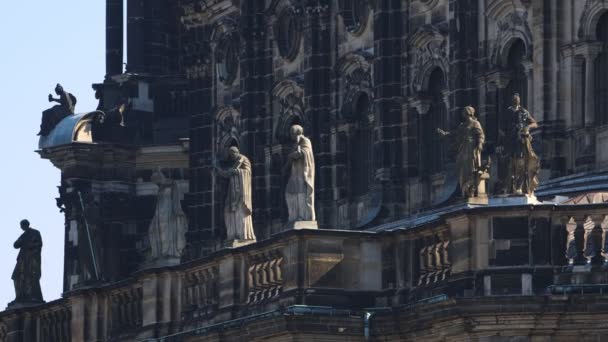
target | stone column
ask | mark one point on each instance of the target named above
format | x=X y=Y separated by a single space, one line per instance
x=589 y=51
x=256 y=79
x=387 y=90
x=135 y=36
x=150 y=300
x=166 y=298
x=318 y=70
x=77 y=324
x=93 y=318
x=114 y=37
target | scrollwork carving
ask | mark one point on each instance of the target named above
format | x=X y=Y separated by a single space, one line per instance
x=429 y=46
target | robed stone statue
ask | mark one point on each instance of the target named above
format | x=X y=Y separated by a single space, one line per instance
x=468 y=139
x=300 y=191
x=26 y=275
x=237 y=208
x=52 y=116
x=168 y=227
x=524 y=164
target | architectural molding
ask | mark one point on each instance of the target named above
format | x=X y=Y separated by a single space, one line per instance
x=430 y=50
x=593 y=11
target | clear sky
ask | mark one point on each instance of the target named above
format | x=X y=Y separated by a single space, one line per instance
x=41 y=43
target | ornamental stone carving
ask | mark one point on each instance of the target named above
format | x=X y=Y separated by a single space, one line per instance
x=355 y=14
x=510 y=27
x=226 y=42
x=289 y=97
x=429 y=50
x=288 y=33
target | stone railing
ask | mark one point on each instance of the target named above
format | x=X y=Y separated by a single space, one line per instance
x=590 y=232
x=125 y=310
x=483 y=251
x=54 y=324
x=200 y=294
x=434 y=259
x=264 y=276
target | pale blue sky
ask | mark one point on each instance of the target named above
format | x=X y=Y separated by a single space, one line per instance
x=42 y=43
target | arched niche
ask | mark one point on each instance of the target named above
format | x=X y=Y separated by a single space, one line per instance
x=288 y=104
x=227 y=130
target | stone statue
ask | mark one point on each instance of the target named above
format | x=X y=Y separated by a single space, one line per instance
x=52 y=116
x=168 y=227
x=26 y=275
x=237 y=208
x=523 y=163
x=300 y=189
x=468 y=139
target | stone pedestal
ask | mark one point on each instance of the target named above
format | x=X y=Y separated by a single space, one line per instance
x=237 y=243
x=482 y=195
x=302 y=225
x=514 y=200
x=19 y=305
x=160 y=263
x=477 y=200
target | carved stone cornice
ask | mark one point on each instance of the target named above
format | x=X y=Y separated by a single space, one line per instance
x=203 y=12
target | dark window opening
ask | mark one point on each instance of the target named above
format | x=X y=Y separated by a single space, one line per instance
x=433 y=150
x=361 y=165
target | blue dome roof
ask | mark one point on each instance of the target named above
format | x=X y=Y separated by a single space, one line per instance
x=73 y=128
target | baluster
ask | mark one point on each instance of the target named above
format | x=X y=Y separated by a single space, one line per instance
x=429 y=262
x=422 y=257
x=438 y=249
x=571 y=249
x=604 y=226
x=589 y=250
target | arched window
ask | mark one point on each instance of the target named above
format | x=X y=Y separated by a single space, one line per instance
x=361 y=161
x=517 y=84
x=601 y=75
x=433 y=149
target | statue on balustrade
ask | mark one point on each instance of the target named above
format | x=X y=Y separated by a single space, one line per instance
x=26 y=275
x=469 y=139
x=237 y=208
x=300 y=189
x=524 y=164
x=168 y=227
x=52 y=116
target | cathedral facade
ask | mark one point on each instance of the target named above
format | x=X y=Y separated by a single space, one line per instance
x=398 y=253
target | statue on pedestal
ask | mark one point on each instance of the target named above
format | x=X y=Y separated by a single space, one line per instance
x=237 y=208
x=524 y=164
x=168 y=227
x=26 y=275
x=52 y=116
x=469 y=139
x=300 y=189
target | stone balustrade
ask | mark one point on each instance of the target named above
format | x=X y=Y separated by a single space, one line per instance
x=483 y=251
